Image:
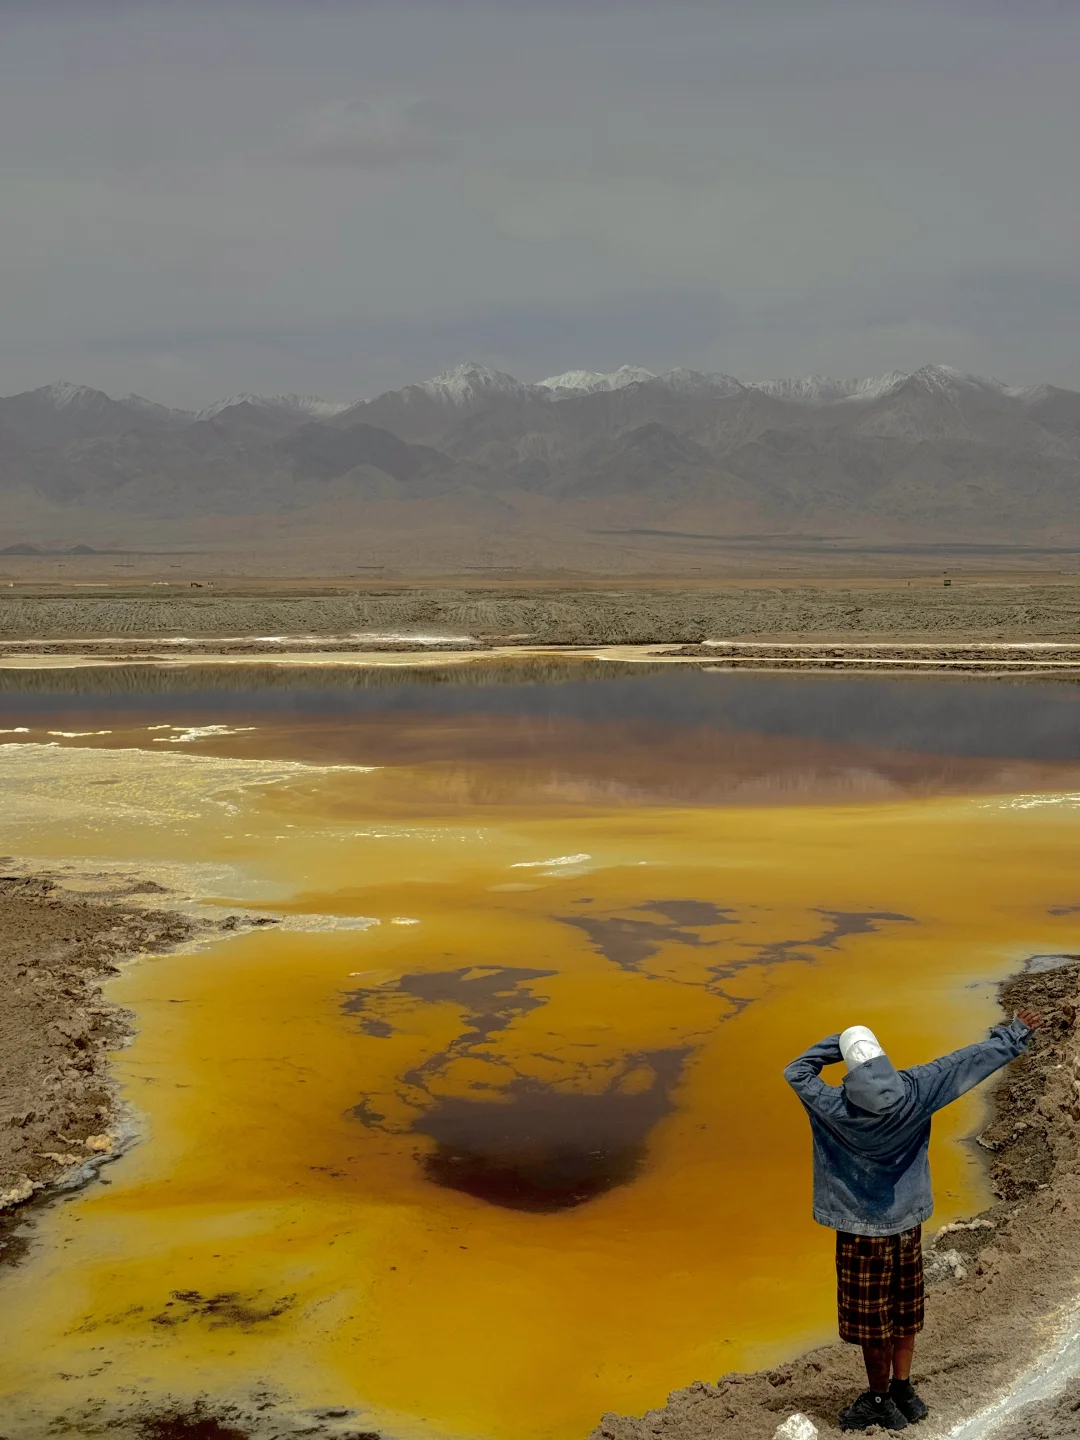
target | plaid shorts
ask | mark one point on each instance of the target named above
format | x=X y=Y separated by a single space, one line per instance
x=879 y=1286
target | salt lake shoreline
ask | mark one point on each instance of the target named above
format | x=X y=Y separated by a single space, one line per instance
x=969 y=625
x=1005 y=1283
x=994 y=660
x=963 y=623
x=57 y=946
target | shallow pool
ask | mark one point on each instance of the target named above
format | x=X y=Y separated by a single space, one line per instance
x=490 y=1135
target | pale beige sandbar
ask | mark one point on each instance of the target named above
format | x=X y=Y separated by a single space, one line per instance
x=988 y=659
x=411 y=658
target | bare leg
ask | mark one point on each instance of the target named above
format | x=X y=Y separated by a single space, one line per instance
x=879 y=1362
x=903 y=1352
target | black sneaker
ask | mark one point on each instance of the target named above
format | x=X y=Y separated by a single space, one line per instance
x=871 y=1409
x=903 y=1395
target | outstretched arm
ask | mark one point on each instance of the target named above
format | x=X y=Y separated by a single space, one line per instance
x=942 y=1081
x=804 y=1076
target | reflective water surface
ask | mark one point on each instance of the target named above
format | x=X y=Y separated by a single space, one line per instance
x=489 y=1135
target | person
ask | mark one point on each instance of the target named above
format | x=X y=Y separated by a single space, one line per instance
x=872 y=1186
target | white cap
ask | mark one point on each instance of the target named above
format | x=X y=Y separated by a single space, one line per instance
x=858 y=1044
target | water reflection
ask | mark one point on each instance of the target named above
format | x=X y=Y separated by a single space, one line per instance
x=1032 y=720
x=565 y=734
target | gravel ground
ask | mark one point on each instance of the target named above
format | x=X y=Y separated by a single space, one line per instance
x=58 y=1113
x=572 y=616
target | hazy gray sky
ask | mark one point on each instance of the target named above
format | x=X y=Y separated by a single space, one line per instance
x=336 y=198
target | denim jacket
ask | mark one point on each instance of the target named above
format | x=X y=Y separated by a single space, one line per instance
x=871 y=1172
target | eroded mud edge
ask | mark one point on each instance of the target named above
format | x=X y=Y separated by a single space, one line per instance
x=61 y=1117
x=1003 y=1286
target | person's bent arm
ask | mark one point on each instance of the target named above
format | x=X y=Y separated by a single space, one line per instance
x=804 y=1075
x=942 y=1081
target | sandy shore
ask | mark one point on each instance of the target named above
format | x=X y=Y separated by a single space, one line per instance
x=73 y=659
x=1002 y=1307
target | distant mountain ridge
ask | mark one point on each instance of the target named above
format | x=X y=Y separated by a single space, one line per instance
x=934 y=452
x=468 y=382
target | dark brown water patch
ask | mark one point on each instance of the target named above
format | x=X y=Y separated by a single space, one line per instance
x=492 y=996
x=629 y=943
x=1064 y=910
x=365 y=1112
x=693 y=913
x=226 y=1308
x=738 y=1003
x=841 y=923
x=779 y=952
x=544 y=1150
x=376 y=1028
x=857 y=922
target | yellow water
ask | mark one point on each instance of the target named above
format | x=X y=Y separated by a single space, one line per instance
x=355 y=1278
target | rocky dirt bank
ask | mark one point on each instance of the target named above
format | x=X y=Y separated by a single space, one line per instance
x=58 y=1111
x=60 y=1117
x=996 y=1280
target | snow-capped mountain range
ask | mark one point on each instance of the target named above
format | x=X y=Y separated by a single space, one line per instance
x=933 y=452
x=467 y=383
x=305 y=407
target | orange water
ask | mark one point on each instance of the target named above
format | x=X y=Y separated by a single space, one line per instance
x=356 y=1278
